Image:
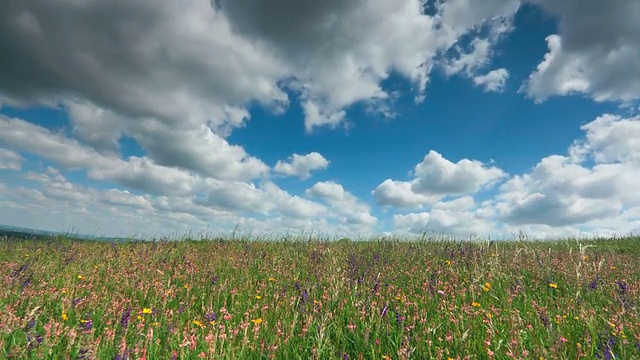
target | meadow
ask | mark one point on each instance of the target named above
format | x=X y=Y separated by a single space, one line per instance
x=375 y=299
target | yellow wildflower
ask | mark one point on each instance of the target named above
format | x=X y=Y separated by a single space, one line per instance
x=147 y=311
x=80 y=277
x=257 y=321
x=64 y=316
x=258 y=297
x=272 y=279
x=475 y=304
x=553 y=285
x=198 y=323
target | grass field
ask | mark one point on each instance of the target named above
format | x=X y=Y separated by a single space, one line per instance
x=320 y=300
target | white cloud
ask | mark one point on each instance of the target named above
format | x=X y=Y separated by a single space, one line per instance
x=437 y=175
x=401 y=195
x=444 y=222
x=22 y=135
x=302 y=165
x=10 y=160
x=348 y=209
x=493 y=81
x=595 y=52
x=565 y=191
x=125 y=198
x=592 y=190
x=163 y=67
x=434 y=178
x=611 y=139
x=333 y=54
x=463 y=203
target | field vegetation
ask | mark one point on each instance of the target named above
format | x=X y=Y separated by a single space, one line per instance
x=376 y=299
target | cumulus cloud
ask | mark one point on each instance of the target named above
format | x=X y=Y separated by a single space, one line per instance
x=437 y=175
x=140 y=59
x=333 y=54
x=10 y=160
x=566 y=190
x=444 y=222
x=590 y=190
x=434 y=178
x=401 y=195
x=349 y=210
x=493 y=81
x=595 y=52
x=301 y=165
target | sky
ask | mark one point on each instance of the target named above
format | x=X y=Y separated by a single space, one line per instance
x=341 y=118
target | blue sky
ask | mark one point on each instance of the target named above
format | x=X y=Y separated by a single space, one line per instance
x=473 y=119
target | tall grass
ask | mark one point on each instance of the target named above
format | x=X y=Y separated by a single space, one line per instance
x=320 y=300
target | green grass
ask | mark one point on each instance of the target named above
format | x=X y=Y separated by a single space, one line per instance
x=320 y=300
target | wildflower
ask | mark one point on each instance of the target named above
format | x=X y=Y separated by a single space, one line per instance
x=475 y=304
x=386 y=357
x=448 y=262
x=86 y=324
x=257 y=321
x=211 y=318
x=80 y=277
x=124 y=320
x=489 y=315
x=486 y=287
x=553 y=285
x=198 y=323
x=272 y=279
x=64 y=316
x=258 y=297
x=147 y=311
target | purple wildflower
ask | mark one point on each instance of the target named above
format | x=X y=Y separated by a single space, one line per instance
x=86 y=324
x=383 y=312
x=399 y=319
x=211 y=317
x=124 y=320
x=623 y=288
